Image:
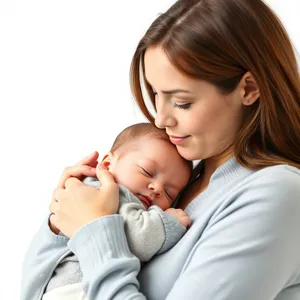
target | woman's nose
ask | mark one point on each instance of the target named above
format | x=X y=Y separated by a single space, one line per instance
x=163 y=117
x=163 y=121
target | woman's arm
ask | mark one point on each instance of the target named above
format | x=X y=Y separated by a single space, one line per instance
x=249 y=251
x=108 y=266
x=148 y=232
x=88 y=216
x=40 y=261
x=48 y=247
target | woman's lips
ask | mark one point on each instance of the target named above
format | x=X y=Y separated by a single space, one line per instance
x=177 y=140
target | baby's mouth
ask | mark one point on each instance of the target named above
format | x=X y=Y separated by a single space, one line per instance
x=145 y=199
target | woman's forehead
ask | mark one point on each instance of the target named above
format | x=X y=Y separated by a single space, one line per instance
x=162 y=75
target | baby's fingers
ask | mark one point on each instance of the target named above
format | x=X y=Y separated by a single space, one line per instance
x=185 y=221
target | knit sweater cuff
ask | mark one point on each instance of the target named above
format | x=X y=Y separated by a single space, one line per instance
x=99 y=241
x=173 y=231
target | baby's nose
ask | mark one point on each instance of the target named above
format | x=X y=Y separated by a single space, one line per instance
x=156 y=187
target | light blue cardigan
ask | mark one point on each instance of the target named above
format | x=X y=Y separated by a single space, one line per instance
x=244 y=244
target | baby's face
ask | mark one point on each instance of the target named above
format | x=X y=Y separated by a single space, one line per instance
x=153 y=171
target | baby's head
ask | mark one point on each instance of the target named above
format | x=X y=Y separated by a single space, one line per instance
x=144 y=160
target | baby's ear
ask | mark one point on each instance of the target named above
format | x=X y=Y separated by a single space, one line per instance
x=106 y=160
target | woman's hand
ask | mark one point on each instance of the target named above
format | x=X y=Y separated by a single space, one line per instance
x=78 y=204
x=85 y=167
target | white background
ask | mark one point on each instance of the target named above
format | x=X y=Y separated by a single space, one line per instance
x=64 y=92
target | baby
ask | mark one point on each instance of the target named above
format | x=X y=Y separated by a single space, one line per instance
x=146 y=166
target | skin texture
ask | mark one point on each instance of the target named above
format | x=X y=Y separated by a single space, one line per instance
x=85 y=167
x=211 y=121
x=77 y=204
x=206 y=120
x=149 y=168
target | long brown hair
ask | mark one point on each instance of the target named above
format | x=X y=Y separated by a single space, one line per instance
x=218 y=41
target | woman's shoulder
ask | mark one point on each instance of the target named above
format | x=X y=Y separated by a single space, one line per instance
x=276 y=185
x=279 y=175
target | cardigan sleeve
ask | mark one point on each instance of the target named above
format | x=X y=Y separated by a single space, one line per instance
x=40 y=260
x=249 y=250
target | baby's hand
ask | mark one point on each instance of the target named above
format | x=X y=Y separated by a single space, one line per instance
x=181 y=216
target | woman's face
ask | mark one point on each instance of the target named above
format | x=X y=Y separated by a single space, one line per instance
x=199 y=120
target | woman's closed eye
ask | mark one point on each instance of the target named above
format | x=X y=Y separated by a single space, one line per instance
x=182 y=106
x=176 y=105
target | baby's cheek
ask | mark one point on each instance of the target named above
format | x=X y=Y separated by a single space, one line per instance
x=132 y=182
x=165 y=204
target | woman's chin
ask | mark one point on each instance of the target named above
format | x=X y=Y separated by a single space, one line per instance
x=188 y=154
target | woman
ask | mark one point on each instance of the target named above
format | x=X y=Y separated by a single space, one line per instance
x=223 y=79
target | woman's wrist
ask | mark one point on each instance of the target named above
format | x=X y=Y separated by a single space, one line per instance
x=53 y=228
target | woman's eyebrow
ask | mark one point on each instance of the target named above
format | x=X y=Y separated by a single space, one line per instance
x=175 y=91
x=169 y=92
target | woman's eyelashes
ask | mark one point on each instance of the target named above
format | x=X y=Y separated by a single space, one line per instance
x=176 y=105
x=182 y=106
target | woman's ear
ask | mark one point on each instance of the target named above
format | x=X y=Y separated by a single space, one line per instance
x=107 y=160
x=250 y=89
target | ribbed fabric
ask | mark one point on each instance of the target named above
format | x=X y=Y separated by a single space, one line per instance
x=244 y=244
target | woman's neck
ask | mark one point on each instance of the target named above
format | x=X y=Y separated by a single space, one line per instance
x=212 y=164
x=198 y=186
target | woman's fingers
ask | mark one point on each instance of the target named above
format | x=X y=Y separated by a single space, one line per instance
x=85 y=167
x=78 y=204
x=75 y=204
x=104 y=176
x=90 y=160
x=77 y=171
x=72 y=181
